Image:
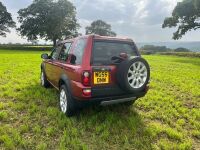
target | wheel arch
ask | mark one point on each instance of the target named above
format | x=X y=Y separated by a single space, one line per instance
x=64 y=80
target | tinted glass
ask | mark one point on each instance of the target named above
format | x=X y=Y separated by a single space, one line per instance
x=55 y=53
x=79 y=50
x=65 y=51
x=103 y=51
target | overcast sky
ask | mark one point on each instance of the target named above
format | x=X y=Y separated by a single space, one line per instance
x=138 y=19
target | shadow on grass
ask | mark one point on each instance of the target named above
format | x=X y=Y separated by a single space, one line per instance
x=115 y=123
x=98 y=127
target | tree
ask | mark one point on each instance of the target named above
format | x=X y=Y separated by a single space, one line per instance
x=101 y=28
x=185 y=16
x=6 y=20
x=155 y=48
x=48 y=19
x=34 y=42
x=181 y=49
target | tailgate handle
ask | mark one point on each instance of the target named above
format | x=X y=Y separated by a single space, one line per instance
x=101 y=69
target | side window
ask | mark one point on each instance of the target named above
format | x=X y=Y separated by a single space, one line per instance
x=79 y=50
x=55 y=53
x=65 y=51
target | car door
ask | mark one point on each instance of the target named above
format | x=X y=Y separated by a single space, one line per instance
x=77 y=51
x=50 y=66
x=61 y=63
x=47 y=64
x=75 y=48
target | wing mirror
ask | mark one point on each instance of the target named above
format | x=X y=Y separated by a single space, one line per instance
x=45 y=56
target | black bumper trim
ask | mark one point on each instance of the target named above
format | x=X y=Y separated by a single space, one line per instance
x=110 y=98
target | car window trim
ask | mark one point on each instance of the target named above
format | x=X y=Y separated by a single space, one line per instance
x=73 y=48
x=55 y=49
x=65 y=61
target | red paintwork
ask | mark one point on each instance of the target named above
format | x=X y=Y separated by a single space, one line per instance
x=55 y=68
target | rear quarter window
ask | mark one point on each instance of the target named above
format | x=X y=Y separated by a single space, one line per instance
x=79 y=50
x=104 y=50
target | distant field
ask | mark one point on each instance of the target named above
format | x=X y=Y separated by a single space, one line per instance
x=168 y=117
x=183 y=54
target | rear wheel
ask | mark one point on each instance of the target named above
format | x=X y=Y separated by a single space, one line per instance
x=43 y=79
x=67 y=105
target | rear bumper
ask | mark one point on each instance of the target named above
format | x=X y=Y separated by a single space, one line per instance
x=116 y=101
x=110 y=100
x=103 y=95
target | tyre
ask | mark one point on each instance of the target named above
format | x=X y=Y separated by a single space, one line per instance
x=43 y=79
x=133 y=75
x=67 y=105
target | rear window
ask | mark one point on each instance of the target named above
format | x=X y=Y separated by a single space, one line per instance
x=104 y=50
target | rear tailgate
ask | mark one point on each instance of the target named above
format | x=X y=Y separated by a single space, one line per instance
x=104 y=82
x=103 y=69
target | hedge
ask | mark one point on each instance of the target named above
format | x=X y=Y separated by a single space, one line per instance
x=26 y=47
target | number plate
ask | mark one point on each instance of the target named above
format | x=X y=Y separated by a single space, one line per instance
x=101 y=77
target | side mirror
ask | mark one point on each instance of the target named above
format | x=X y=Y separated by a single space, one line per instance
x=73 y=59
x=45 y=56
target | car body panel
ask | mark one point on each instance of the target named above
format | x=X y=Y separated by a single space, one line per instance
x=54 y=69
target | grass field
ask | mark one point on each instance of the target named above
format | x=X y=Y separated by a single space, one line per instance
x=168 y=117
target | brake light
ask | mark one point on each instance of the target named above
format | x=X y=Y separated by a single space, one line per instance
x=86 y=78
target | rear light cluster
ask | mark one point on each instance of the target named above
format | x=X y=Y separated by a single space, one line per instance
x=86 y=78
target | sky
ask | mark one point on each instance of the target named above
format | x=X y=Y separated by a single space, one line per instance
x=140 y=20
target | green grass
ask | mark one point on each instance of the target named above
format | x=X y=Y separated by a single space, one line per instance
x=183 y=54
x=168 y=117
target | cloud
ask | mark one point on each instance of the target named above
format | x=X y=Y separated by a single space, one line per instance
x=141 y=11
x=139 y=19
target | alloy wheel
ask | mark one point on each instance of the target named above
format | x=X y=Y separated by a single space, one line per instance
x=63 y=101
x=137 y=75
x=42 y=78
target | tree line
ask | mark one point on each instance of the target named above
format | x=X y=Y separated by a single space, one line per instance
x=49 y=20
x=54 y=20
x=152 y=49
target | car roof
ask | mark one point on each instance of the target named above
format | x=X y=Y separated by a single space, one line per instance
x=98 y=37
x=118 y=38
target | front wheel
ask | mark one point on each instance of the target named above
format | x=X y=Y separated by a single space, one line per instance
x=43 y=79
x=67 y=105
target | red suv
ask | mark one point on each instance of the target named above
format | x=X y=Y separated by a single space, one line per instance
x=95 y=69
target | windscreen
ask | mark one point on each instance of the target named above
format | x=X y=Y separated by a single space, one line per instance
x=103 y=51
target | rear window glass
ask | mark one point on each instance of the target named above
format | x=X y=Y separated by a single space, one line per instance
x=104 y=50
